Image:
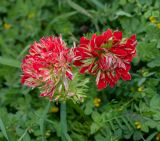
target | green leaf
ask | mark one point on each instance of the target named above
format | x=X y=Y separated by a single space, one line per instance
x=127 y=123
x=147 y=51
x=10 y=62
x=122 y=13
x=63 y=26
x=98 y=4
x=155 y=102
x=99 y=137
x=23 y=136
x=154 y=63
x=158 y=44
x=150 y=35
x=78 y=137
x=147 y=14
x=68 y=137
x=132 y=25
x=42 y=120
x=56 y=126
x=145 y=128
x=94 y=128
x=155 y=13
x=119 y=122
x=137 y=135
x=123 y=2
x=96 y=117
x=3 y=129
x=141 y=81
x=151 y=123
x=151 y=137
x=89 y=107
x=63 y=16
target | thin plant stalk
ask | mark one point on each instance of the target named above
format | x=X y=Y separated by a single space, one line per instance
x=63 y=121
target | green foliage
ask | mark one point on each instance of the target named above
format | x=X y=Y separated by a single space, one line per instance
x=130 y=111
x=79 y=88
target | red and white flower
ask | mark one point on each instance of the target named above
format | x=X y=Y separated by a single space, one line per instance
x=107 y=56
x=48 y=66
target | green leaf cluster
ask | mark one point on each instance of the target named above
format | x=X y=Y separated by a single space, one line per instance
x=129 y=111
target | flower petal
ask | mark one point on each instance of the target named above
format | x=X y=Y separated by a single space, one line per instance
x=69 y=75
x=126 y=76
x=119 y=51
x=84 y=69
x=84 y=41
x=108 y=34
x=102 y=84
x=117 y=35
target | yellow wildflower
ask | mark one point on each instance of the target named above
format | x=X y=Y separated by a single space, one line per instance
x=152 y=19
x=54 y=109
x=48 y=133
x=97 y=102
x=138 y=125
x=31 y=15
x=145 y=73
x=158 y=137
x=158 y=25
x=140 y=89
x=7 y=26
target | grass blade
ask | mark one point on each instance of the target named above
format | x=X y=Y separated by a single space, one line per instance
x=98 y=4
x=151 y=137
x=79 y=8
x=10 y=62
x=68 y=137
x=23 y=135
x=63 y=121
x=66 y=15
x=23 y=51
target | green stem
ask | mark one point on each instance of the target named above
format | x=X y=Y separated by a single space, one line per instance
x=63 y=121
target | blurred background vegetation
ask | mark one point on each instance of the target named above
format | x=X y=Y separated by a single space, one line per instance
x=130 y=111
